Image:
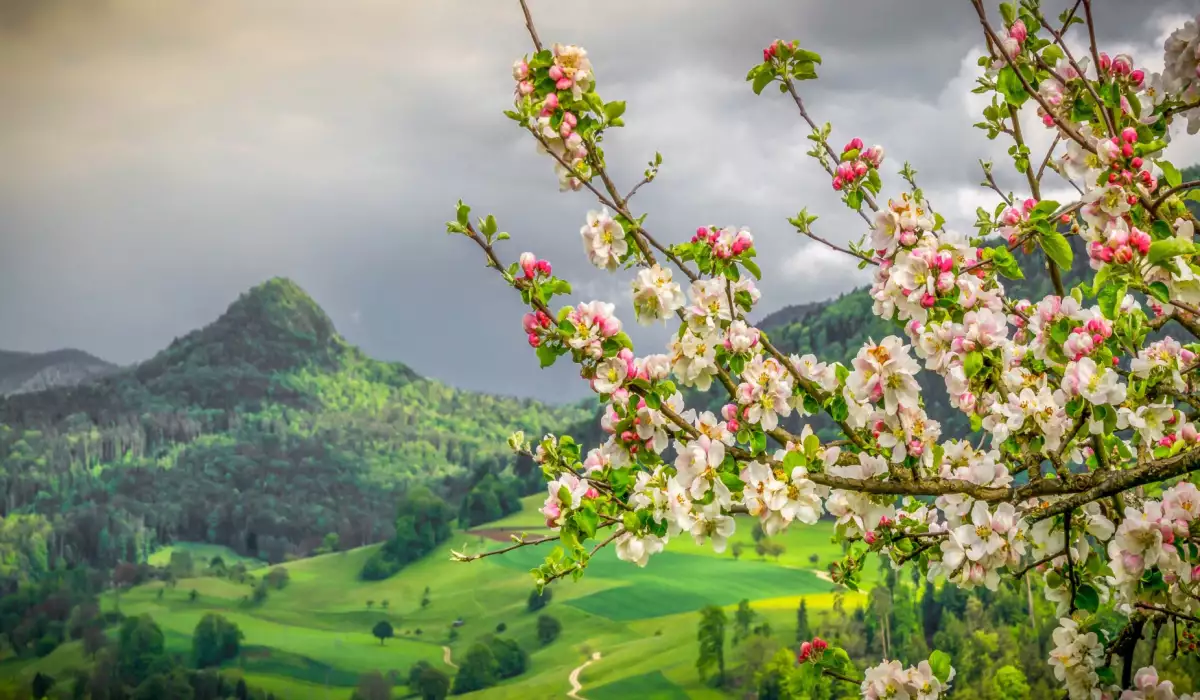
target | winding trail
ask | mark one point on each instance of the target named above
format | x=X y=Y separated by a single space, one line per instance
x=446 y=658
x=575 y=686
x=823 y=575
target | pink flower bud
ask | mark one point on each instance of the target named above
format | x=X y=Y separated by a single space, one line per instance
x=528 y=264
x=1018 y=31
x=1048 y=119
x=860 y=168
x=908 y=238
x=530 y=323
x=1105 y=62
x=806 y=649
x=534 y=340
x=1122 y=64
x=556 y=72
x=837 y=183
x=520 y=70
x=870 y=539
x=928 y=300
x=551 y=102
x=1138 y=77
x=564 y=84
x=1129 y=135
x=525 y=87
x=820 y=644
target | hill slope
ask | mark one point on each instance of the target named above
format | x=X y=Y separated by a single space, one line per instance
x=263 y=431
x=24 y=372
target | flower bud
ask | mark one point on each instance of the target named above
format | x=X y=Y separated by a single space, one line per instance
x=1138 y=77
x=1122 y=64
x=551 y=102
x=528 y=264
x=1018 y=31
x=520 y=70
x=534 y=340
x=1105 y=62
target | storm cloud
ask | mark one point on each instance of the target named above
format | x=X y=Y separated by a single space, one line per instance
x=161 y=156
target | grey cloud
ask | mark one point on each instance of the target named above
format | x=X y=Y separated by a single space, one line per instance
x=161 y=156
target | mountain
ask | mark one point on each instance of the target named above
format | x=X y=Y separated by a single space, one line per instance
x=23 y=372
x=264 y=431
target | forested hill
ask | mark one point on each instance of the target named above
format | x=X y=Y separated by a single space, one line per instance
x=22 y=372
x=265 y=431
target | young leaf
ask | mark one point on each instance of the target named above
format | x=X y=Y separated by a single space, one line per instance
x=1056 y=246
x=761 y=80
x=1087 y=598
x=1169 y=248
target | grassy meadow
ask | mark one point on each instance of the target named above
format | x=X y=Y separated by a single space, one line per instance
x=313 y=638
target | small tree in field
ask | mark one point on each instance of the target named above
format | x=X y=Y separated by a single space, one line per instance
x=1081 y=398
x=383 y=631
x=548 y=629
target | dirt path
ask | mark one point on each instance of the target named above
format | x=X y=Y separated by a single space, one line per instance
x=446 y=658
x=823 y=575
x=575 y=686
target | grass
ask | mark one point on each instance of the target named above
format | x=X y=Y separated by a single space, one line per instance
x=648 y=686
x=313 y=636
x=202 y=553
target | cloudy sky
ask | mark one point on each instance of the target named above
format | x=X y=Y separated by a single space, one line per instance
x=161 y=156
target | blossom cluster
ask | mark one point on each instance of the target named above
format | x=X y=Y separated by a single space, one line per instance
x=1068 y=382
x=891 y=679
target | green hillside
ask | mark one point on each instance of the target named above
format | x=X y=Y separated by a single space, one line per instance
x=315 y=633
x=264 y=431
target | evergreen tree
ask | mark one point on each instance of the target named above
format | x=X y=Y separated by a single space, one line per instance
x=711 y=636
x=803 y=632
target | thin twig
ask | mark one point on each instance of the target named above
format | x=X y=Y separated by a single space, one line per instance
x=537 y=43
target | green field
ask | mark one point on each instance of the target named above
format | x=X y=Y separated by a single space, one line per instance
x=312 y=639
x=202 y=554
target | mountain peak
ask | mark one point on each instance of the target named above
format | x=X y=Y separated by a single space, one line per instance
x=273 y=326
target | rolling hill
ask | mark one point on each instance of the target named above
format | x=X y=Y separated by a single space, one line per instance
x=25 y=372
x=264 y=431
x=312 y=639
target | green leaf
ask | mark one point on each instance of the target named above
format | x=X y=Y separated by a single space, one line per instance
x=838 y=410
x=1045 y=208
x=1170 y=173
x=973 y=363
x=1087 y=598
x=761 y=80
x=1159 y=291
x=1052 y=54
x=1110 y=298
x=806 y=55
x=752 y=268
x=588 y=520
x=1161 y=230
x=489 y=225
x=1169 y=248
x=623 y=340
x=939 y=663
x=614 y=109
x=793 y=459
x=464 y=212
x=758 y=444
x=1056 y=246
x=1009 y=85
x=546 y=355
x=1101 y=277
